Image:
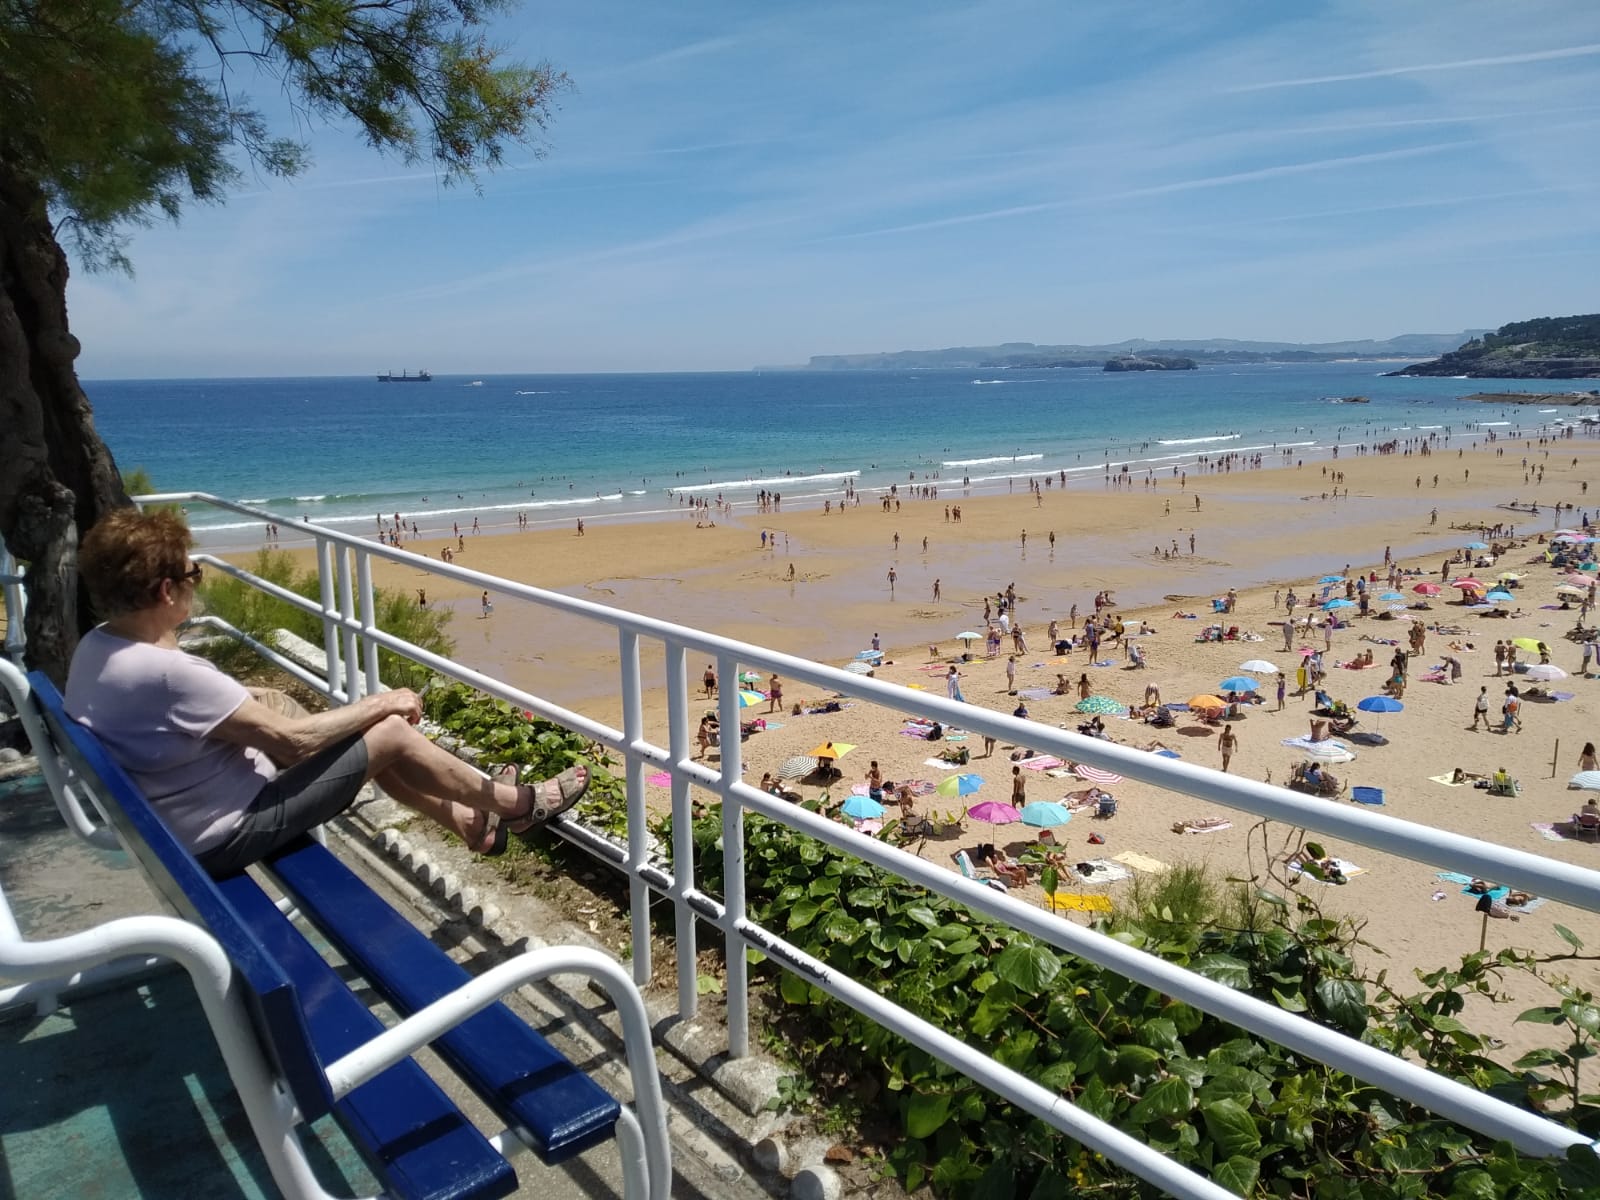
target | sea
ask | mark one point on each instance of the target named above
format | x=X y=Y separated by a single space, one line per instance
x=553 y=448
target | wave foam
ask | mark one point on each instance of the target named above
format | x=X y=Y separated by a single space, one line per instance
x=1224 y=437
x=784 y=480
x=983 y=462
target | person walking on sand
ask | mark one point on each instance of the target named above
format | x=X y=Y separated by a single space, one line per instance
x=1227 y=743
x=1480 y=707
x=486 y=605
x=936 y=589
x=1011 y=675
x=891 y=582
x=1083 y=686
x=709 y=679
x=774 y=694
x=1019 y=788
x=1283 y=687
x=952 y=683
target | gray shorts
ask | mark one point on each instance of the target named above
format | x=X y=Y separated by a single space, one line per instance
x=296 y=800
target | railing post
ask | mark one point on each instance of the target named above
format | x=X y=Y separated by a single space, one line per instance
x=330 y=628
x=682 y=829
x=733 y=857
x=638 y=820
x=347 y=615
x=369 y=621
x=16 y=606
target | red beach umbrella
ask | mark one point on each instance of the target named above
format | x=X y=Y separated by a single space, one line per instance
x=1427 y=589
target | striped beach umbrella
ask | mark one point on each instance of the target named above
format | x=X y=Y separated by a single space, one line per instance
x=1544 y=673
x=750 y=699
x=1585 y=781
x=1095 y=774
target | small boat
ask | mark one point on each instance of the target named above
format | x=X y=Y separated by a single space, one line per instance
x=405 y=377
x=476 y=383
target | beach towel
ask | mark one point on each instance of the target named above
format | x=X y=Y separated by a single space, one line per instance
x=1108 y=662
x=1348 y=869
x=916 y=731
x=659 y=779
x=1193 y=827
x=1498 y=893
x=1103 y=870
x=1057 y=772
x=1041 y=763
x=1079 y=901
x=771 y=725
x=941 y=764
x=1549 y=832
x=1038 y=693
x=1367 y=795
x=1444 y=779
x=919 y=787
x=1453 y=877
x=1142 y=862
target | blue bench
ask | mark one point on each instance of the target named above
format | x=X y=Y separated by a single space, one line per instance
x=300 y=1044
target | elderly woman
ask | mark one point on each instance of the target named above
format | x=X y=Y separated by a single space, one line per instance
x=235 y=777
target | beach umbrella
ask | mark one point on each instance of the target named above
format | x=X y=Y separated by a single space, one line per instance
x=1331 y=579
x=1526 y=643
x=1576 y=579
x=749 y=677
x=1589 y=567
x=960 y=785
x=869 y=655
x=858 y=667
x=1095 y=774
x=1477 y=545
x=862 y=808
x=1467 y=584
x=1207 y=702
x=1380 y=705
x=1566 y=589
x=1260 y=665
x=1544 y=673
x=1044 y=814
x=832 y=750
x=1509 y=575
x=1427 y=589
x=969 y=636
x=797 y=766
x=1587 y=781
x=1238 y=683
x=1103 y=706
x=1329 y=751
x=1341 y=602
x=1391 y=596
x=994 y=812
x=1499 y=597
x=750 y=699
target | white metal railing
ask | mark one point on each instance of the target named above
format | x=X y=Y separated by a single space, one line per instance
x=16 y=605
x=351 y=640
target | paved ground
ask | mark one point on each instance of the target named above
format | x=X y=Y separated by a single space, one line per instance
x=118 y=1096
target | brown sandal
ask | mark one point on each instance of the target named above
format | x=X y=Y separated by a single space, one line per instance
x=570 y=787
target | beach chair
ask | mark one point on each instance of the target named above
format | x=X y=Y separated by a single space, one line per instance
x=964 y=861
x=1586 y=827
x=1106 y=806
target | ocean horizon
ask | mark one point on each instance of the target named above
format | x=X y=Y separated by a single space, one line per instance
x=341 y=451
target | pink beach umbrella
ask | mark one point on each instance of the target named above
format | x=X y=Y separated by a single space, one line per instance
x=1467 y=584
x=995 y=812
x=1427 y=589
x=1095 y=774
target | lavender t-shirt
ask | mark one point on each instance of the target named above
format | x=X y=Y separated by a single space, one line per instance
x=155 y=709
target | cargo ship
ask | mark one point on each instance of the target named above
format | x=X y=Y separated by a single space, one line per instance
x=404 y=377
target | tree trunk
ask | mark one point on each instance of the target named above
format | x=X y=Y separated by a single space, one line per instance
x=56 y=476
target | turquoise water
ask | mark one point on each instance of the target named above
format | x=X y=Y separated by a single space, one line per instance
x=341 y=450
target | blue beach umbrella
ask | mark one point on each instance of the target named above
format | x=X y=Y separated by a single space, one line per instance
x=1379 y=705
x=1043 y=814
x=1477 y=546
x=1331 y=579
x=1500 y=597
x=1238 y=683
x=862 y=808
x=1341 y=602
x=1387 y=596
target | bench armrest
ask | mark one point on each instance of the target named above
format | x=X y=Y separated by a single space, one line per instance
x=426 y=1024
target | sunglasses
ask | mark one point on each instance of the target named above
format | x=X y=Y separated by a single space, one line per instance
x=193 y=575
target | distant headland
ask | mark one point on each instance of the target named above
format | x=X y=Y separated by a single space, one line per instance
x=1546 y=348
x=1027 y=356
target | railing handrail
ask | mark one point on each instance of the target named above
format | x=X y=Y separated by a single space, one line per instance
x=349 y=633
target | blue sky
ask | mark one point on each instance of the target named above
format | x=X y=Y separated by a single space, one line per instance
x=734 y=184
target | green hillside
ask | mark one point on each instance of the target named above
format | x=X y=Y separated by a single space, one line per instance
x=1545 y=348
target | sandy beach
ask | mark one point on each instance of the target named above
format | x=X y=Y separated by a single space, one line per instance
x=1259 y=531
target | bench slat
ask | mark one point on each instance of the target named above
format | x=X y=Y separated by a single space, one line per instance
x=417 y=1140
x=525 y=1079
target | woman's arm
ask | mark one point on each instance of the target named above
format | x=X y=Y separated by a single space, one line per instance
x=287 y=740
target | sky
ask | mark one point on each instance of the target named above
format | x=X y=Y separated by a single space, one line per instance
x=731 y=185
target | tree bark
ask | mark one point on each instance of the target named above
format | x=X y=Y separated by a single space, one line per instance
x=56 y=476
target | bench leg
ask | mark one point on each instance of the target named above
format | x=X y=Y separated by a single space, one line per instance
x=423 y=1026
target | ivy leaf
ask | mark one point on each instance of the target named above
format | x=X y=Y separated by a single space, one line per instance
x=803 y=913
x=1224 y=969
x=1545 y=1014
x=1232 y=1128
x=925 y=1113
x=1585 y=1016
x=1238 y=1175
x=1288 y=1001
x=922 y=915
x=1344 y=1002
x=1570 y=938
x=1172 y=1097
x=840 y=927
x=793 y=989
x=1027 y=967
x=1474 y=1185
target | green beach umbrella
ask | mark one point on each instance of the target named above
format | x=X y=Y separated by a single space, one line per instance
x=1103 y=706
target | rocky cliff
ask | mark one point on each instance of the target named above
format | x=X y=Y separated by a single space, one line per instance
x=1546 y=348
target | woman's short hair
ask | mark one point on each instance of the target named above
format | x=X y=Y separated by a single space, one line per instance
x=127 y=554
